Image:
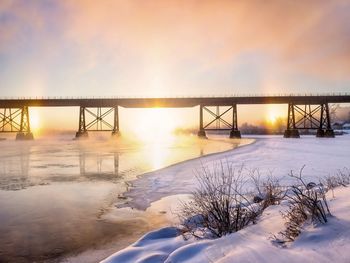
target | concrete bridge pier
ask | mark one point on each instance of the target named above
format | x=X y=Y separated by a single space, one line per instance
x=235 y=134
x=202 y=134
x=329 y=133
x=81 y=134
x=20 y=136
x=116 y=134
x=291 y=133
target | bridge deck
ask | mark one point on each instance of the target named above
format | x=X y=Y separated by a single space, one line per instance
x=173 y=102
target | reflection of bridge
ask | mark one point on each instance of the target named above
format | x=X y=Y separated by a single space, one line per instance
x=15 y=174
x=99 y=159
x=101 y=114
x=14 y=170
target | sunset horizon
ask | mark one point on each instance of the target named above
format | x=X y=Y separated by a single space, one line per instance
x=158 y=131
x=173 y=48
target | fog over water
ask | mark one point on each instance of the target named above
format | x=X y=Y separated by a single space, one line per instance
x=54 y=191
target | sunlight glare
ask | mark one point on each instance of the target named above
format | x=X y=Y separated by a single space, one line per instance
x=34 y=119
x=156 y=124
x=272 y=118
x=158 y=154
x=273 y=114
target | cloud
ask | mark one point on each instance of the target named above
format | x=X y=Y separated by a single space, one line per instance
x=305 y=34
x=180 y=41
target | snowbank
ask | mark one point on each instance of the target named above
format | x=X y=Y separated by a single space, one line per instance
x=324 y=243
x=321 y=157
x=152 y=247
x=330 y=242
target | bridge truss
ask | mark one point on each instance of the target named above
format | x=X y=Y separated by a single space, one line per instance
x=16 y=120
x=305 y=112
x=98 y=119
x=222 y=119
x=308 y=117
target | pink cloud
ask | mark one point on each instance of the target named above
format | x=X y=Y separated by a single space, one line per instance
x=210 y=32
x=152 y=38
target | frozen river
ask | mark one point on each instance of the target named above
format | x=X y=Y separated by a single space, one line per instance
x=55 y=191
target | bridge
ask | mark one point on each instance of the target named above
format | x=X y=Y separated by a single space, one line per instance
x=305 y=111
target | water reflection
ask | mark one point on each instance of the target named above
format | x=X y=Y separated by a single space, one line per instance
x=27 y=164
x=14 y=169
x=53 y=192
x=26 y=167
x=99 y=166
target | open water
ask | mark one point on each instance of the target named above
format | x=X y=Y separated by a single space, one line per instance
x=54 y=191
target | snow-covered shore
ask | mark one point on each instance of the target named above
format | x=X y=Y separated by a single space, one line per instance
x=326 y=243
x=269 y=154
x=322 y=244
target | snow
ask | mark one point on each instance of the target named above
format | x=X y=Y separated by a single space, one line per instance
x=346 y=126
x=276 y=155
x=322 y=243
x=152 y=247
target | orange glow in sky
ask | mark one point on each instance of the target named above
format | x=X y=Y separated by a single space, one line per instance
x=274 y=112
x=87 y=48
x=152 y=124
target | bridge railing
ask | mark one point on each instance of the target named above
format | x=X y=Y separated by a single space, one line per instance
x=176 y=96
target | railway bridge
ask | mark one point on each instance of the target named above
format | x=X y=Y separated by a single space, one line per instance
x=306 y=111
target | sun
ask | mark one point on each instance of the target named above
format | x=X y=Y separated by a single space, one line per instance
x=274 y=113
x=272 y=118
x=155 y=124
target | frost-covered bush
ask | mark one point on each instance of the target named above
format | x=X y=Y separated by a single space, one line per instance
x=218 y=206
x=307 y=202
x=267 y=192
x=342 y=178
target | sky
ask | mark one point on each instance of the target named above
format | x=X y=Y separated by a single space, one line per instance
x=173 y=48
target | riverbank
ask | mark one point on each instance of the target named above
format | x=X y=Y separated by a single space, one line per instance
x=275 y=155
x=323 y=243
x=67 y=186
x=151 y=217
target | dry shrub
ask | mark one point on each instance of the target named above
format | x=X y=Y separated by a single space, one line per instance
x=218 y=206
x=268 y=191
x=342 y=178
x=307 y=203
